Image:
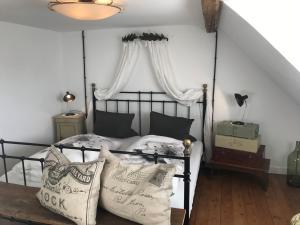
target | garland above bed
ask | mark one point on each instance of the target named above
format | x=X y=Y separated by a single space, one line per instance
x=144 y=37
x=157 y=46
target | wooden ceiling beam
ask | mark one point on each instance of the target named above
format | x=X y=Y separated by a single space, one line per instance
x=211 y=11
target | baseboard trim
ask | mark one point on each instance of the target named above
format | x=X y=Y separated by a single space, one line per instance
x=278 y=170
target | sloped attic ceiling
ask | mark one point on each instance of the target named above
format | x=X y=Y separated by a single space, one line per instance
x=136 y=13
x=281 y=31
x=261 y=52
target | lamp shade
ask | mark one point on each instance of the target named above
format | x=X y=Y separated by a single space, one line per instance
x=85 y=9
x=68 y=97
x=240 y=99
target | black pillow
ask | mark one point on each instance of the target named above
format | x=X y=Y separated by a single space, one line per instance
x=116 y=125
x=171 y=126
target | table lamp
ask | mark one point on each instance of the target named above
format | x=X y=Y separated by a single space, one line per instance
x=241 y=100
x=68 y=98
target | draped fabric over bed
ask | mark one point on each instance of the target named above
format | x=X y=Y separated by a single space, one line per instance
x=129 y=57
x=157 y=45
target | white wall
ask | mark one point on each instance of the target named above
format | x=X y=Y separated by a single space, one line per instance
x=30 y=84
x=268 y=104
x=192 y=51
x=266 y=56
x=36 y=66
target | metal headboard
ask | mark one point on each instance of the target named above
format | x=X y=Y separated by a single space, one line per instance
x=140 y=99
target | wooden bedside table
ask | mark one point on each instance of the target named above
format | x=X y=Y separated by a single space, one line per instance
x=251 y=163
x=67 y=126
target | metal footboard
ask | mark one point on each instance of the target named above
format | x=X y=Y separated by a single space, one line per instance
x=186 y=159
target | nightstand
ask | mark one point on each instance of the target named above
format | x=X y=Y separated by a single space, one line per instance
x=241 y=161
x=67 y=126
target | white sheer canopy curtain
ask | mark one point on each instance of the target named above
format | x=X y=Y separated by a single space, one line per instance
x=161 y=62
x=124 y=70
x=160 y=59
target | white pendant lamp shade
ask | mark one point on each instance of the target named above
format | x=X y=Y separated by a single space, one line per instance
x=85 y=9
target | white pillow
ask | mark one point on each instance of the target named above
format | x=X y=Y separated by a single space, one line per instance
x=71 y=189
x=137 y=192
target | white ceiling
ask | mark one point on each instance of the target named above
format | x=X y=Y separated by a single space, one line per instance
x=136 y=13
x=280 y=70
x=279 y=31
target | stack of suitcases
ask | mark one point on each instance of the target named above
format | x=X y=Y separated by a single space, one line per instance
x=240 y=146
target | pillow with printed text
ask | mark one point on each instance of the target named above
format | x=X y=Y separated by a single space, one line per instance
x=71 y=189
x=137 y=192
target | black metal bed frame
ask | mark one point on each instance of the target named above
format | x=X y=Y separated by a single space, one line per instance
x=186 y=158
x=151 y=101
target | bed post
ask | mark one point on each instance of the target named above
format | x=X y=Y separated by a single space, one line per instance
x=204 y=113
x=94 y=102
x=187 y=179
x=3 y=156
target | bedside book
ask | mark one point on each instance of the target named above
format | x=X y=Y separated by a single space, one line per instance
x=229 y=128
x=242 y=144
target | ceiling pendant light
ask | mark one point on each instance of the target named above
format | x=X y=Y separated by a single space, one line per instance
x=85 y=9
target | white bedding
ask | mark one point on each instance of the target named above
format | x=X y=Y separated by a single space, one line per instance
x=177 y=199
x=33 y=168
x=147 y=144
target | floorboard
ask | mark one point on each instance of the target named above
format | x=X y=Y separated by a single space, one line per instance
x=226 y=198
x=235 y=199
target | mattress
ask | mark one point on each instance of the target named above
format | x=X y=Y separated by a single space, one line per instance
x=177 y=199
x=34 y=169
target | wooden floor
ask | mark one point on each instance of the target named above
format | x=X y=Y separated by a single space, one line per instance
x=235 y=199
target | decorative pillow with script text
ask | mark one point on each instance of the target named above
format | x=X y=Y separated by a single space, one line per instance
x=137 y=192
x=71 y=189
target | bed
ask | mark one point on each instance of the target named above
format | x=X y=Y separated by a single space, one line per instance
x=34 y=171
x=134 y=149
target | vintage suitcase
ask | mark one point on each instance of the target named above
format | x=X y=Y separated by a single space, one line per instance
x=248 y=130
x=241 y=144
x=230 y=156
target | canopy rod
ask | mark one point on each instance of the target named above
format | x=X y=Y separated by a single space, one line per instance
x=84 y=73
